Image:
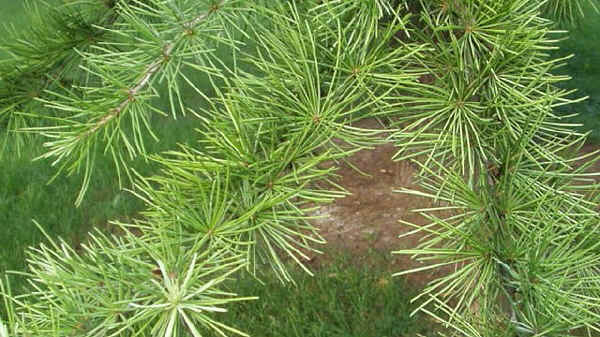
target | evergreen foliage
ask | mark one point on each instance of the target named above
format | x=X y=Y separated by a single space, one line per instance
x=465 y=88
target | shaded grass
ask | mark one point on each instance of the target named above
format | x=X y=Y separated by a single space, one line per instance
x=584 y=68
x=348 y=297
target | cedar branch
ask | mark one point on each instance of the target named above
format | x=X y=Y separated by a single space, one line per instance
x=147 y=75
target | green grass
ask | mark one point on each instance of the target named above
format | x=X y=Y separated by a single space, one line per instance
x=584 y=68
x=12 y=12
x=350 y=297
x=25 y=195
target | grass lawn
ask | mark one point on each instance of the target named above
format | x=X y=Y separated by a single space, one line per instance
x=584 y=68
x=352 y=297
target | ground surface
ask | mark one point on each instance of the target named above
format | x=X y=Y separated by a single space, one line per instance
x=368 y=219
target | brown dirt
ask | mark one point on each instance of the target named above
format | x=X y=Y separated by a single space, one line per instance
x=368 y=218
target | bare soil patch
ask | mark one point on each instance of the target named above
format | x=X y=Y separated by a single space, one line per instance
x=368 y=218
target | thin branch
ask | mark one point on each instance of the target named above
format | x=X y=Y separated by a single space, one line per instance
x=147 y=75
x=150 y=70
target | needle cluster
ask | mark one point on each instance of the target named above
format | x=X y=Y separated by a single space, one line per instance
x=466 y=89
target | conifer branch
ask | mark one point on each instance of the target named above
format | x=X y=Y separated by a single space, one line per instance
x=471 y=81
x=146 y=77
x=151 y=70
